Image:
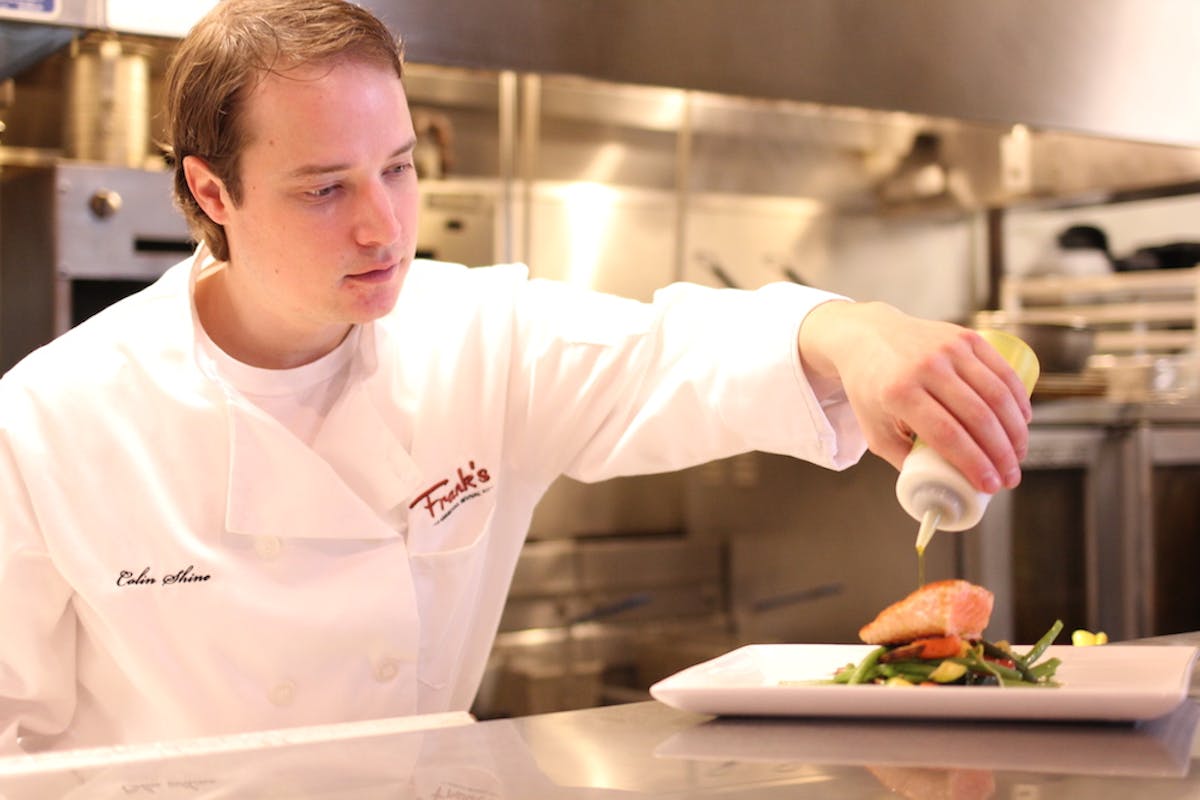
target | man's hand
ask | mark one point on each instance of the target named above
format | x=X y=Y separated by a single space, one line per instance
x=904 y=375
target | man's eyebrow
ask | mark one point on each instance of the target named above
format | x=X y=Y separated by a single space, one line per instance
x=314 y=170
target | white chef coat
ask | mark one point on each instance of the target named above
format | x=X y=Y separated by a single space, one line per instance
x=174 y=562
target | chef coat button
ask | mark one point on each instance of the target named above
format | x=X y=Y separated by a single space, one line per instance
x=386 y=670
x=268 y=546
x=283 y=694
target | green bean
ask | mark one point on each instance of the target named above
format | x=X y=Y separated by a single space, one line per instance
x=843 y=674
x=977 y=663
x=919 y=670
x=1046 y=669
x=867 y=665
x=1020 y=663
x=1046 y=640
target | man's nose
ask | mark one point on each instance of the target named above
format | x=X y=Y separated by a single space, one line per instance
x=377 y=222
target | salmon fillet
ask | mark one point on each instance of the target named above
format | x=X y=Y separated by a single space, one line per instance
x=941 y=608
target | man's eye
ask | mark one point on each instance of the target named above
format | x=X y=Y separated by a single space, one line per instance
x=400 y=169
x=321 y=192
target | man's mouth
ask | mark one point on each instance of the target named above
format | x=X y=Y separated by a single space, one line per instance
x=377 y=275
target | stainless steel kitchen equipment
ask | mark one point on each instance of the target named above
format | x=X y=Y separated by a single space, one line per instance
x=76 y=238
x=588 y=619
x=813 y=554
x=1016 y=61
x=1050 y=549
x=1102 y=530
x=1068 y=65
x=30 y=31
x=459 y=222
x=107 y=114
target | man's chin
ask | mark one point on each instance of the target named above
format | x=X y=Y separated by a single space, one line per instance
x=378 y=301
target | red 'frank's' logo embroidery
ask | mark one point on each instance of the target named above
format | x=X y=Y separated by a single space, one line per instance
x=443 y=499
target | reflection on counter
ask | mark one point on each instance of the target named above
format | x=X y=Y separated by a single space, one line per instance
x=362 y=759
x=640 y=750
x=923 y=783
x=1156 y=748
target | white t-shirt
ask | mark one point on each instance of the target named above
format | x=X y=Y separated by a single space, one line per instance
x=299 y=398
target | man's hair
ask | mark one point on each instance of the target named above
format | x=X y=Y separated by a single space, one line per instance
x=225 y=56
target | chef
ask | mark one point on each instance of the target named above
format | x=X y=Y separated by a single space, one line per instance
x=288 y=483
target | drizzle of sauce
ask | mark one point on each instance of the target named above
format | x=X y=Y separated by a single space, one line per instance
x=929 y=525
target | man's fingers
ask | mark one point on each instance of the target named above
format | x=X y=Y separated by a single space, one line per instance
x=928 y=416
x=989 y=417
x=1001 y=368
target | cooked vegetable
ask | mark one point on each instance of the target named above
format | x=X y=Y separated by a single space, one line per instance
x=949 y=660
x=1044 y=642
x=948 y=672
x=933 y=637
x=866 y=666
x=1082 y=638
x=928 y=648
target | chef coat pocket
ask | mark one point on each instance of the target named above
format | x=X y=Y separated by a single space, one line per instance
x=451 y=595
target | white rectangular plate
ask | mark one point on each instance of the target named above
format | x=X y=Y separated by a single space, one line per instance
x=1110 y=682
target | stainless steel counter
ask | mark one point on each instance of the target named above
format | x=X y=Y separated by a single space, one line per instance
x=647 y=750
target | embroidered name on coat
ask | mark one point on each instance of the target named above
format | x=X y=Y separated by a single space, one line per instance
x=443 y=498
x=186 y=575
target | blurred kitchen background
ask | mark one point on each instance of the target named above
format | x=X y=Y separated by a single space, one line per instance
x=1001 y=162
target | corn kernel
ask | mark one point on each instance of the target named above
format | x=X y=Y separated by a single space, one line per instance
x=1082 y=638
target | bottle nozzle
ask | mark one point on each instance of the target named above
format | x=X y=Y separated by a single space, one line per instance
x=929 y=526
x=937 y=499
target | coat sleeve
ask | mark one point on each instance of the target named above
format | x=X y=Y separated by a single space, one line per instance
x=607 y=386
x=37 y=623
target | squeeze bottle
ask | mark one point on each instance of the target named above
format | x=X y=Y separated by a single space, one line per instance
x=931 y=490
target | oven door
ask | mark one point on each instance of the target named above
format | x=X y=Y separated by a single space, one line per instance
x=1163 y=475
x=76 y=238
x=1056 y=546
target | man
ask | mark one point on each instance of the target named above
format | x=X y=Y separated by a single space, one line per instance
x=288 y=483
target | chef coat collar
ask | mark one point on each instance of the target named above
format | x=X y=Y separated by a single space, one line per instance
x=280 y=487
x=352 y=483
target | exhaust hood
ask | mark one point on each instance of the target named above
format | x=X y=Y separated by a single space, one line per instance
x=1122 y=69
x=32 y=30
x=936 y=103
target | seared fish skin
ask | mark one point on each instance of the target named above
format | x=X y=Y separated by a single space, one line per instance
x=942 y=608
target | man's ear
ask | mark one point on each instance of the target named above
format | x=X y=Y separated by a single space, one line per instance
x=208 y=189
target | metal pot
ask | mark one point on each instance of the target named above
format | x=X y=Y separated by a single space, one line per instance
x=1060 y=347
x=107 y=114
